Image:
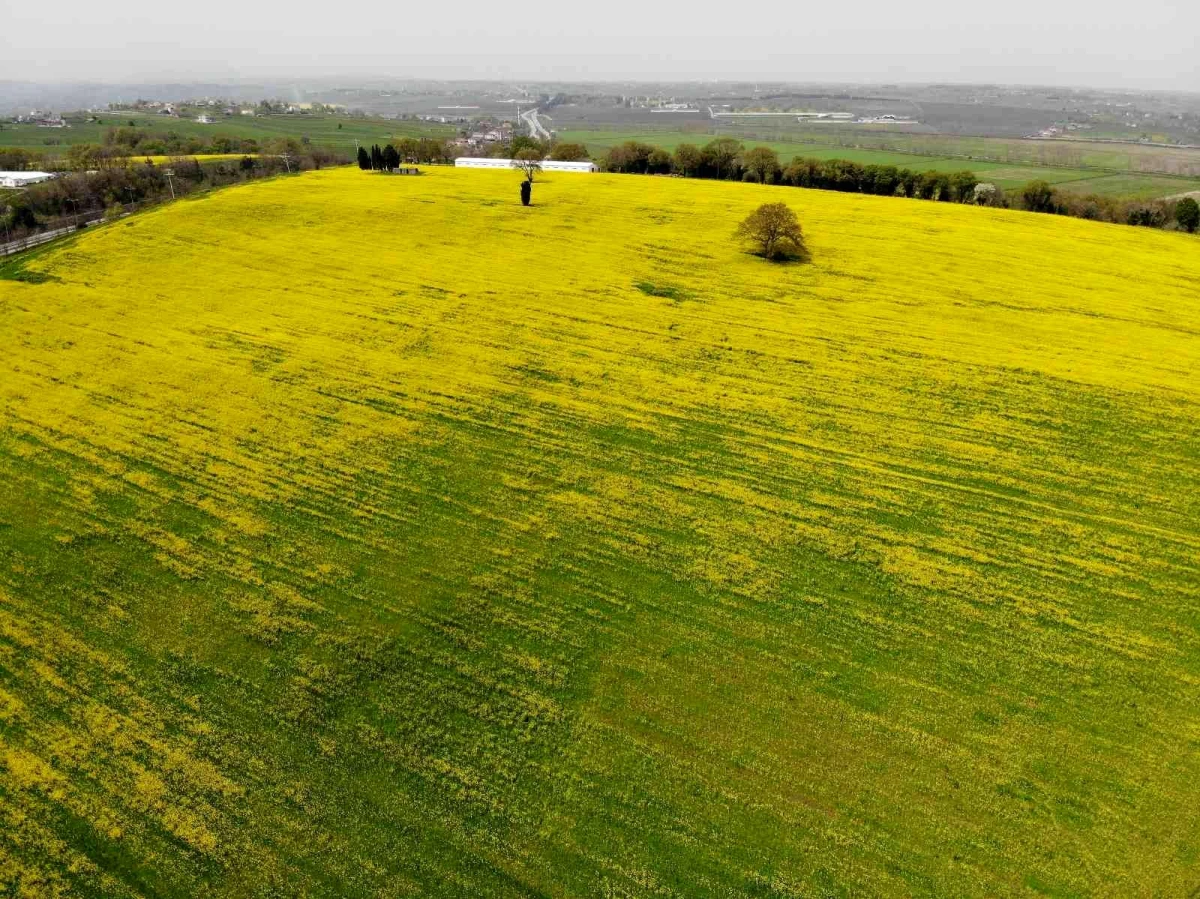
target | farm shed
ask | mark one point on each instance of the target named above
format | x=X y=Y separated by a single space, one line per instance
x=548 y=165
x=23 y=179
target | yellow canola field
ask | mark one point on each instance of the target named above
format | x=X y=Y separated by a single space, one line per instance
x=362 y=535
x=199 y=157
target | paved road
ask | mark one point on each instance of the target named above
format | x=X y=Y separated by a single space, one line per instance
x=536 y=128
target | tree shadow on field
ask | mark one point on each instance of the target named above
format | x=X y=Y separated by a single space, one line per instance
x=792 y=256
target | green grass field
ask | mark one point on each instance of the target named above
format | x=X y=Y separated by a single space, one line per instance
x=1006 y=175
x=572 y=550
x=1079 y=152
x=330 y=132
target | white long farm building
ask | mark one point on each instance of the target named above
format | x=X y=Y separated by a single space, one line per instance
x=23 y=179
x=548 y=165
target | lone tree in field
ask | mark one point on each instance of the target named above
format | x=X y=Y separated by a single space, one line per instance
x=775 y=231
x=528 y=162
x=1187 y=213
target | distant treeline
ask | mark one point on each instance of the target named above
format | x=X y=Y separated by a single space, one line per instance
x=434 y=151
x=121 y=144
x=727 y=159
x=406 y=151
x=55 y=203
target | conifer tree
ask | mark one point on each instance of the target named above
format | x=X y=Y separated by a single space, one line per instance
x=391 y=159
x=364 y=161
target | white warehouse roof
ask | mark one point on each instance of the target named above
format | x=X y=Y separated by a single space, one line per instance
x=22 y=179
x=548 y=165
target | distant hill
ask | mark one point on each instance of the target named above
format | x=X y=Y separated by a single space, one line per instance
x=378 y=536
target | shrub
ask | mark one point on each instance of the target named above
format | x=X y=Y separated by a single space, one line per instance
x=1146 y=217
x=1038 y=196
x=987 y=195
x=569 y=153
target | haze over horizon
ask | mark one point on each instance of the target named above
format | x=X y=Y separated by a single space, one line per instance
x=1147 y=46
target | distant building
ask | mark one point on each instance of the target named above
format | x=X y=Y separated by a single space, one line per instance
x=23 y=179
x=204 y=119
x=548 y=165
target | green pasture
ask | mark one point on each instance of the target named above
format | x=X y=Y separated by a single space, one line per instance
x=326 y=131
x=1006 y=175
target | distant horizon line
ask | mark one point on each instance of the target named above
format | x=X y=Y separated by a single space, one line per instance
x=775 y=81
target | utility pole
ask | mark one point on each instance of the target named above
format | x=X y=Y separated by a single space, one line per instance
x=286 y=161
x=170 y=183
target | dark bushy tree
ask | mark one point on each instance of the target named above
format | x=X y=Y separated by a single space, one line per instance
x=569 y=153
x=1038 y=196
x=364 y=161
x=631 y=157
x=20 y=215
x=962 y=185
x=424 y=149
x=524 y=142
x=687 y=160
x=762 y=163
x=658 y=162
x=1187 y=214
x=722 y=157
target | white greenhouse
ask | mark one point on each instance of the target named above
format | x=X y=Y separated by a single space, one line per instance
x=548 y=165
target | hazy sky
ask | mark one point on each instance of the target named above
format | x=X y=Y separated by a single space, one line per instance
x=1142 y=44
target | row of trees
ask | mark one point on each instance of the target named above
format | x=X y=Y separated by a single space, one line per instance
x=405 y=151
x=63 y=200
x=379 y=160
x=426 y=150
x=1040 y=196
x=124 y=144
x=129 y=140
x=726 y=158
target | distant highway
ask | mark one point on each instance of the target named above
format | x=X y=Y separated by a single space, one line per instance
x=537 y=130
